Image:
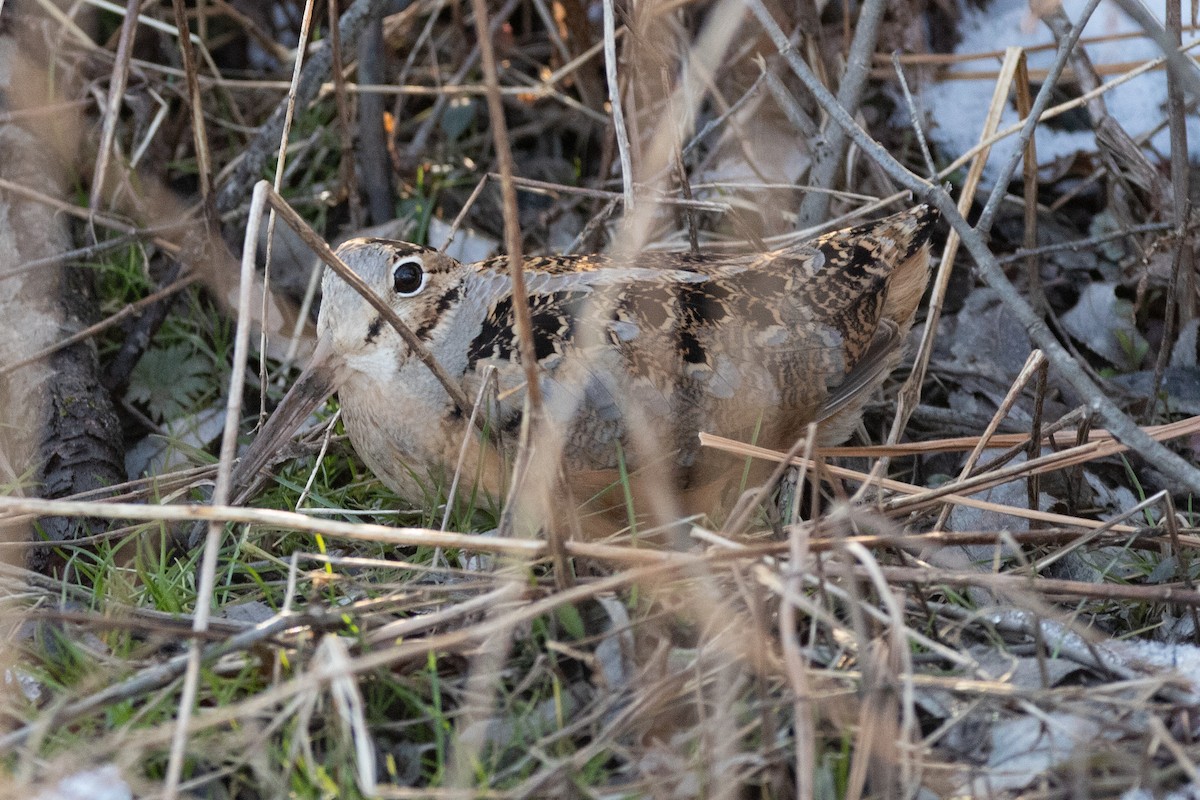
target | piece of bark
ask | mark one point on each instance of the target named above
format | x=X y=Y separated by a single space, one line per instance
x=59 y=434
x=81 y=445
x=375 y=169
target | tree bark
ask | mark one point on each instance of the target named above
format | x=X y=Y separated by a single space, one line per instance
x=59 y=433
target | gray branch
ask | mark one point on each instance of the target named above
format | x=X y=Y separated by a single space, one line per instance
x=829 y=149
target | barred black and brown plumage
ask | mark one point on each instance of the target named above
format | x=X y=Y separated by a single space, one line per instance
x=751 y=346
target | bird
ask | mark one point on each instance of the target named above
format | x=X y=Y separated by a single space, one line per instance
x=635 y=355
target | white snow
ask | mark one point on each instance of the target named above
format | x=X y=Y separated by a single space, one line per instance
x=958 y=108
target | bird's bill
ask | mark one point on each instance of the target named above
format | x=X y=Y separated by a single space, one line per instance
x=318 y=380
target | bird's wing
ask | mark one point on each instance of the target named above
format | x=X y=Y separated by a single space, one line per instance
x=865 y=375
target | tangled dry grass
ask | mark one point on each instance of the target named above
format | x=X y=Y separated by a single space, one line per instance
x=989 y=594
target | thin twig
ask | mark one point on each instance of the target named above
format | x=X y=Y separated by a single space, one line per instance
x=1173 y=312
x=485 y=387
x=199 y=135
x=1042 y=585
x=512 y=225
x=85 y=253
x=1184 y=274
x=92 y=217
x=1075 y=245
x=1033 y=272
x=914 y=115
x=681 y=173
x=614 y=99
x=116 y=94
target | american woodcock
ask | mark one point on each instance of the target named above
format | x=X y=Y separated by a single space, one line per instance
x=747 y=346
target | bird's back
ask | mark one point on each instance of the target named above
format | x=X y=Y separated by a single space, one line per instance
x=744 y=346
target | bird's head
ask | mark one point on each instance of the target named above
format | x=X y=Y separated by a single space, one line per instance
x=420 y=284
x=353 y=339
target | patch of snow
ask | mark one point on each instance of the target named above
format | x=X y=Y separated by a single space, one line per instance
x=1178 y=660
x=958 y=107
x=101 y=783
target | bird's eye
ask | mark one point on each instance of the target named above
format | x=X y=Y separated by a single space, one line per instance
x=408 y=278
